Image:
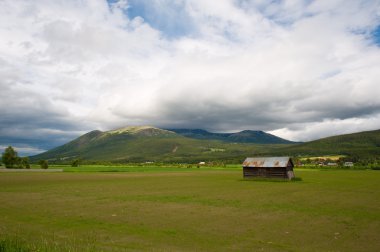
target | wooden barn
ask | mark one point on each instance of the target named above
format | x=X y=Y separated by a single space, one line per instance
x=268 y=167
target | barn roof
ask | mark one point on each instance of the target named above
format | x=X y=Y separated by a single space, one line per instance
x=267 y=162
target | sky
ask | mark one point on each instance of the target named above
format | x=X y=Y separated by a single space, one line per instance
x=301 y=70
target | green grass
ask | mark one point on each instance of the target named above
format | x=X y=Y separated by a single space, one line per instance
x=134 y=168
x=139 y=168
x=190 y=209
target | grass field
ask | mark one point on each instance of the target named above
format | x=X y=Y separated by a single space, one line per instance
x=168 y=209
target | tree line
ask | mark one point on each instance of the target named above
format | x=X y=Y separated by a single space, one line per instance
x=11 y=159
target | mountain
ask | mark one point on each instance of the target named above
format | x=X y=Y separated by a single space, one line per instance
x=245 y=136
x=362 y=144
x=147 y=143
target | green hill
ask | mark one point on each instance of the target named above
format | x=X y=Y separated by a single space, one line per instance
x=363 y=144
x=148 y=144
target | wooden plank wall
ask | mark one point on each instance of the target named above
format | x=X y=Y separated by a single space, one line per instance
x=271 y=172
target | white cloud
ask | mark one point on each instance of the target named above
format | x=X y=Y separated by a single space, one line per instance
x=300 y=69
x=326 y=128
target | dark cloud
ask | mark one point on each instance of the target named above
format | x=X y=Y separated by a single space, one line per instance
x=31 y=121
x=294 y=69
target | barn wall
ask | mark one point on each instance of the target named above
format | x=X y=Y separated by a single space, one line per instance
x=265 y=172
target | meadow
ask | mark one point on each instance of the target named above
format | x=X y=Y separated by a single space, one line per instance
x=189 y=209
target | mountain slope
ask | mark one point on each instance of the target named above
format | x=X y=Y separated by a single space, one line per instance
x=246 y=136
x=363 y=144
x=146 y=143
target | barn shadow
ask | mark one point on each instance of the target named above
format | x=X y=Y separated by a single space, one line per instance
x=272 y=180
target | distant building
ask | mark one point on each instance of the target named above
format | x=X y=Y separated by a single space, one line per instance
x=268 y=167
x=201 y=163
x=349 y=164
x=332 y=164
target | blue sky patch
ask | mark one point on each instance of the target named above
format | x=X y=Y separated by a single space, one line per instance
x=376 y=35
x=171 y=19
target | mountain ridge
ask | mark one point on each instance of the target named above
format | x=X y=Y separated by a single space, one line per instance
x=245 y=136
x=146 y=143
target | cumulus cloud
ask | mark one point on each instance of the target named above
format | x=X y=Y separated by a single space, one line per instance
x=299 y=69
